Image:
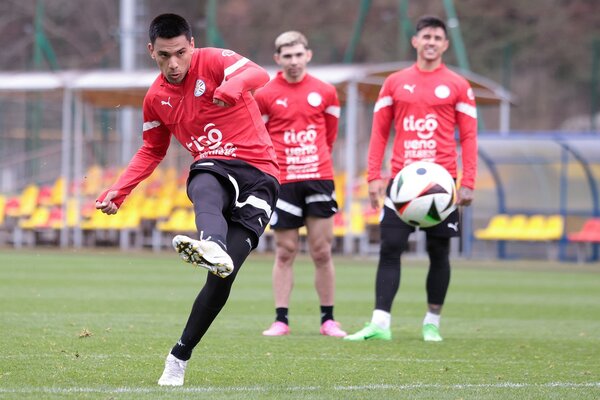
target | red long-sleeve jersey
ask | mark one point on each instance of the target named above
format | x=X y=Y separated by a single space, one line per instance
x=425 y=107
x=206 y=130
x=302 y=119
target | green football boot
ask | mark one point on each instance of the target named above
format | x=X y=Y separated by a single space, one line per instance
x=370 y=332
x=431 y=333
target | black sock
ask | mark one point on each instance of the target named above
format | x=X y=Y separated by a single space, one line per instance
x=281 y=315
x=326 y=313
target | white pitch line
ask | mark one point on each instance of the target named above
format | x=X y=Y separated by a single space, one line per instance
x=383 y=387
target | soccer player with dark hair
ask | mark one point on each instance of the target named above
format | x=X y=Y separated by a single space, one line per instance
x=301 y=114
x=426 y=102
x=202 y=96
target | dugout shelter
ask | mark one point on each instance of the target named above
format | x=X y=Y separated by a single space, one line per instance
x=75 y=105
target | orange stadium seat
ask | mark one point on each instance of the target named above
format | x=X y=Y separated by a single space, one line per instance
x=590 y=232
x=44 y=197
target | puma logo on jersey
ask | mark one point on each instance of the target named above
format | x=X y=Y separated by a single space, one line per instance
x=410 y=88
x=282 y=102
x=453 y=226
x=249 y=241
x=166 y=103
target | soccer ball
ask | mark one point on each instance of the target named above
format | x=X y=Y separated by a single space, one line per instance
x=423 y=193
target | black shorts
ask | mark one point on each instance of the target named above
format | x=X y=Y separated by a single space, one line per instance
x=450 y=227
x=297 y=200
x=252 y=191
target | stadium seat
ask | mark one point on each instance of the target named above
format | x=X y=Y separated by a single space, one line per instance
x=12 y=207
x=182 y=220
x=28 y=200
x=516 y=224
x=92 y=181
x=541 y=228
x=589 y=233
x=38 y=219
x=519 y=227
x=532 y=230
x=496 y=228
x=3 y=202
x=44 y=197
x=181 y=199
x=57 y=194
x=554 y=229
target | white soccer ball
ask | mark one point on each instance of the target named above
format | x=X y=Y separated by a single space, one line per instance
x=423 y=193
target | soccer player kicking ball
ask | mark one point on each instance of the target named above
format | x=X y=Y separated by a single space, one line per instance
x=301 y=114
x=426 y=101
x=202 y=96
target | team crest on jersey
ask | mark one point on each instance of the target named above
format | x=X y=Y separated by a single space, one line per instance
x=442 y=91
x=470 y=94
x=227 y=53
x=314 y=99
x=200 y=88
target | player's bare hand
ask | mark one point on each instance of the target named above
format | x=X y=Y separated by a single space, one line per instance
x=376 y=192
x=465 y=196
x=107 y=206
x=220 y=102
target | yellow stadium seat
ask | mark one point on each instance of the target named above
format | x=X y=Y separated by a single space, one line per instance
x=181 y=199
x=39 y=219
x=148 y=209
x=28 y=200
x=181 y=220
x=2 y=208
x=357 y=219
x=496 y=228
x=57 y=194
x=554 y=229
x=533 y=229
x=339 y=181
x=516 y=225
x=167 y=190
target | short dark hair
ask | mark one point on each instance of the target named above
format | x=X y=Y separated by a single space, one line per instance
x=430 y=21
x=168 y=26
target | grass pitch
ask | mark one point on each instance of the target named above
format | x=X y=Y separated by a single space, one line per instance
x=98 y=325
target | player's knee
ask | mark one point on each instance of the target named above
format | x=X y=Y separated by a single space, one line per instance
x=392 y=248
x=438 y=246
x=285 y=253
x=321 y=253
x=439 y=252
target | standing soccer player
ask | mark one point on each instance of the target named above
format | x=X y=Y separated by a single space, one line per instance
x=426 y=101
x=202 y=97
x=301 y=114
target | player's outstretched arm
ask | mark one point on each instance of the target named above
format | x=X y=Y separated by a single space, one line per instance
x=105 y=203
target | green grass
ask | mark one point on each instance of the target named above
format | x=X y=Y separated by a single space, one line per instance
x=526 y=330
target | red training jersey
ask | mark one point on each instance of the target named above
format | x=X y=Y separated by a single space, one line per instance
x=425 y=107
x=302 y=119
x=206 y=130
